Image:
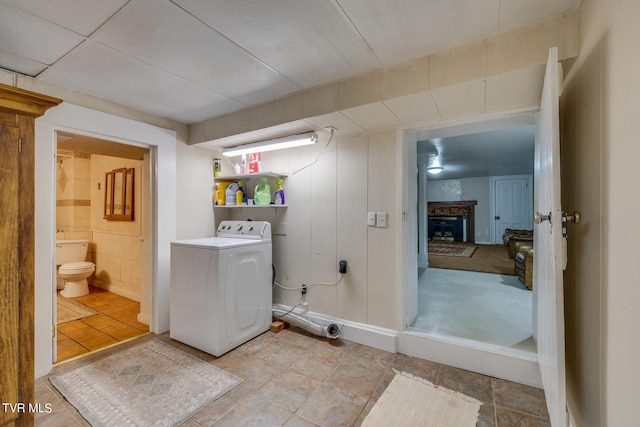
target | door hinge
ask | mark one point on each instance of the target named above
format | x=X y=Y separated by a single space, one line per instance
x=53 y=331
x=19 y=145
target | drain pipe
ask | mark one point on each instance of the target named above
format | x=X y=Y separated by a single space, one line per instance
x=328 y=330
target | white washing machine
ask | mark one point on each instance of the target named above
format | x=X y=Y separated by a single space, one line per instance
x=221 y=287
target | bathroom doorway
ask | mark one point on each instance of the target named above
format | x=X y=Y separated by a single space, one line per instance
x=118 y=305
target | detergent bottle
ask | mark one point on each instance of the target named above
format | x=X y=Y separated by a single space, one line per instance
x=262 y=194
x=221 y=189
x=279 y=196
x=230 y=195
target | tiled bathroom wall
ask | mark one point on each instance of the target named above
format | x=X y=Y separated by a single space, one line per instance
x=73 y=196
x=116 y=244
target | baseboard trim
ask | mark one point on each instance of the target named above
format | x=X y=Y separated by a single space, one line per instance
x=496 y=361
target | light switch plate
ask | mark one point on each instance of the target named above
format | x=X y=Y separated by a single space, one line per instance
x=381 y=219
x=371 y=219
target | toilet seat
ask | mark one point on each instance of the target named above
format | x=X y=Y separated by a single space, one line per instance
x=74 y=267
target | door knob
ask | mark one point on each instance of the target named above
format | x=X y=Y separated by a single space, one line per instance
x=538 y=218
x=574 y=217
x=497 y=218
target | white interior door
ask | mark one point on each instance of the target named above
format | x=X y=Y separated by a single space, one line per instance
x=548 y=259
x=512 y=207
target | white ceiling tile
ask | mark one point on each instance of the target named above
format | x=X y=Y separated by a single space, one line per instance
x=308 y=41
x=460 y=100
x=115 y=75
x=516 y=13
x=88 y=85
x=372 y=117
x=342 y=124
x=414 y=109
x=402 y=30
x=516 y=89
x=196 y=59
x=165 y=36
x=21 y=64
x=83 y=17
x=33 y=38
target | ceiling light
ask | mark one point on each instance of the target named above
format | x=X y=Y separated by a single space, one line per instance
x=272 y=144
x=435 y=170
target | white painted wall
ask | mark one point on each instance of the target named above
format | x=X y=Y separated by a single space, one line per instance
x=326 y=222
x=71 y=118
x=467 y=189
x=600 y=105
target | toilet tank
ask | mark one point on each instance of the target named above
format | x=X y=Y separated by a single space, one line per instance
x=71 y=251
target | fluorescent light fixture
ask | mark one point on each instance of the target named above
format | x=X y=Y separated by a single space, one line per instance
x=272 y=144
x=435 y=170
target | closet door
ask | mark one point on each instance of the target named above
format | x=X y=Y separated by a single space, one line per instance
x=9 y=264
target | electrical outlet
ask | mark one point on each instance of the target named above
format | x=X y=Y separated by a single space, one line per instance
x=342 y=267
x=371 y=219
x=381 y=221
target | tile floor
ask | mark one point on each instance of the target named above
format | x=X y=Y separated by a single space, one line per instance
x=116 y=321
x=293 y=379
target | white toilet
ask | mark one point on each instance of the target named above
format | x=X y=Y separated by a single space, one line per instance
x=70 y=256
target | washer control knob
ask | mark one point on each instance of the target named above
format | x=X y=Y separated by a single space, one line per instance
x=250 y=228
x=238 y=227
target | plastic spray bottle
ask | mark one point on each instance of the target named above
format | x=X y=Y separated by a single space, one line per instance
x=279 y=196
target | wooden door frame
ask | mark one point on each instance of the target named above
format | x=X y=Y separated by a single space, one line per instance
x=26 y=105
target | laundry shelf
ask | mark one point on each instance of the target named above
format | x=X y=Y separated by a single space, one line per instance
x=250 y=206
x=250 y=176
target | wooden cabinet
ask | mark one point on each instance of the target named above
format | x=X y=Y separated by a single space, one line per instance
x=18 y=110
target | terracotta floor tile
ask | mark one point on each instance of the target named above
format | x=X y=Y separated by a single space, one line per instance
x=520 y=397
x=304 y=381
x=288 y=390
x=98 y=342
x=117 y=320
x=330 y=406
x=470 y=383
x=71 y=351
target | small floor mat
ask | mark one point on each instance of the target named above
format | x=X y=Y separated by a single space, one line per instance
x=414 y=401
x=69 y=310
x=149 y=384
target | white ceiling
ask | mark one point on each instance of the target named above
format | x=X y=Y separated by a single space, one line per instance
x=191 y=60
x=493 y=153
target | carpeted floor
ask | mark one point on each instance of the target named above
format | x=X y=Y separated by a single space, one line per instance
x=486 y=259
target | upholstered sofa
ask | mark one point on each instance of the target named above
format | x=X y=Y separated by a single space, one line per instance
x=523 y=263
x=512 y=236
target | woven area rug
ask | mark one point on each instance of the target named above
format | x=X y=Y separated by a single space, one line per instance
x=150 y=384
x=451 y=250
x=414 y=401
x=69 y=310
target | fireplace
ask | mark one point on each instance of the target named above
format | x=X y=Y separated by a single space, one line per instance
x=452 y=221
x=446 y=228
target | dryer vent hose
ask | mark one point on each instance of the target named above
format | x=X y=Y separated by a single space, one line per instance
x=327 y=329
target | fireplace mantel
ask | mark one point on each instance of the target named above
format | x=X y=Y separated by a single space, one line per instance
x=462 y=208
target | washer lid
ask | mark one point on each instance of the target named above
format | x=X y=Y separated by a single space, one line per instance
x=217 y=243
x=81 y=265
